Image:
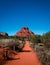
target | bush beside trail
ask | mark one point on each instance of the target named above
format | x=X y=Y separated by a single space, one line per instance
x=8 y=48
x=41 y=45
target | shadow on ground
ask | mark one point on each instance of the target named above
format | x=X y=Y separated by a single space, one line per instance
x=13 y=58
x=25 y=51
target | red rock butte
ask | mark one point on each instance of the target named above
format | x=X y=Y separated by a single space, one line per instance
x=24 y=32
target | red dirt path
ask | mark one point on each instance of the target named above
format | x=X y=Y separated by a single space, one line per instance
x=27 y=57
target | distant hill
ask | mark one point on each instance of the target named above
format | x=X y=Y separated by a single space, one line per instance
x=3 y=34
x=24 y=32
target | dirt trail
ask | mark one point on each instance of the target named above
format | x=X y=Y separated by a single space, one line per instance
x=27 y=57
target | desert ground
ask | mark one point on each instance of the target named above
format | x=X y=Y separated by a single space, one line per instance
x=26 y=57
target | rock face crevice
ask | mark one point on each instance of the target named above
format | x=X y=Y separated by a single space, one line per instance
x=24 y=32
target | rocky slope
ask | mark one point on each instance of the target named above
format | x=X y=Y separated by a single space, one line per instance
x=3 y=34
x=24 y=32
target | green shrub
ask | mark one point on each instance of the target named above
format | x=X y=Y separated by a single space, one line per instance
x=46 y=39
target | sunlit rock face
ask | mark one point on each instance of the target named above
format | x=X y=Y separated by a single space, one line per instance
x=3 y=34
x=24 y=32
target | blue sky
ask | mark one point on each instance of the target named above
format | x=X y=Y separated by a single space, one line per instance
x=34 y=14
